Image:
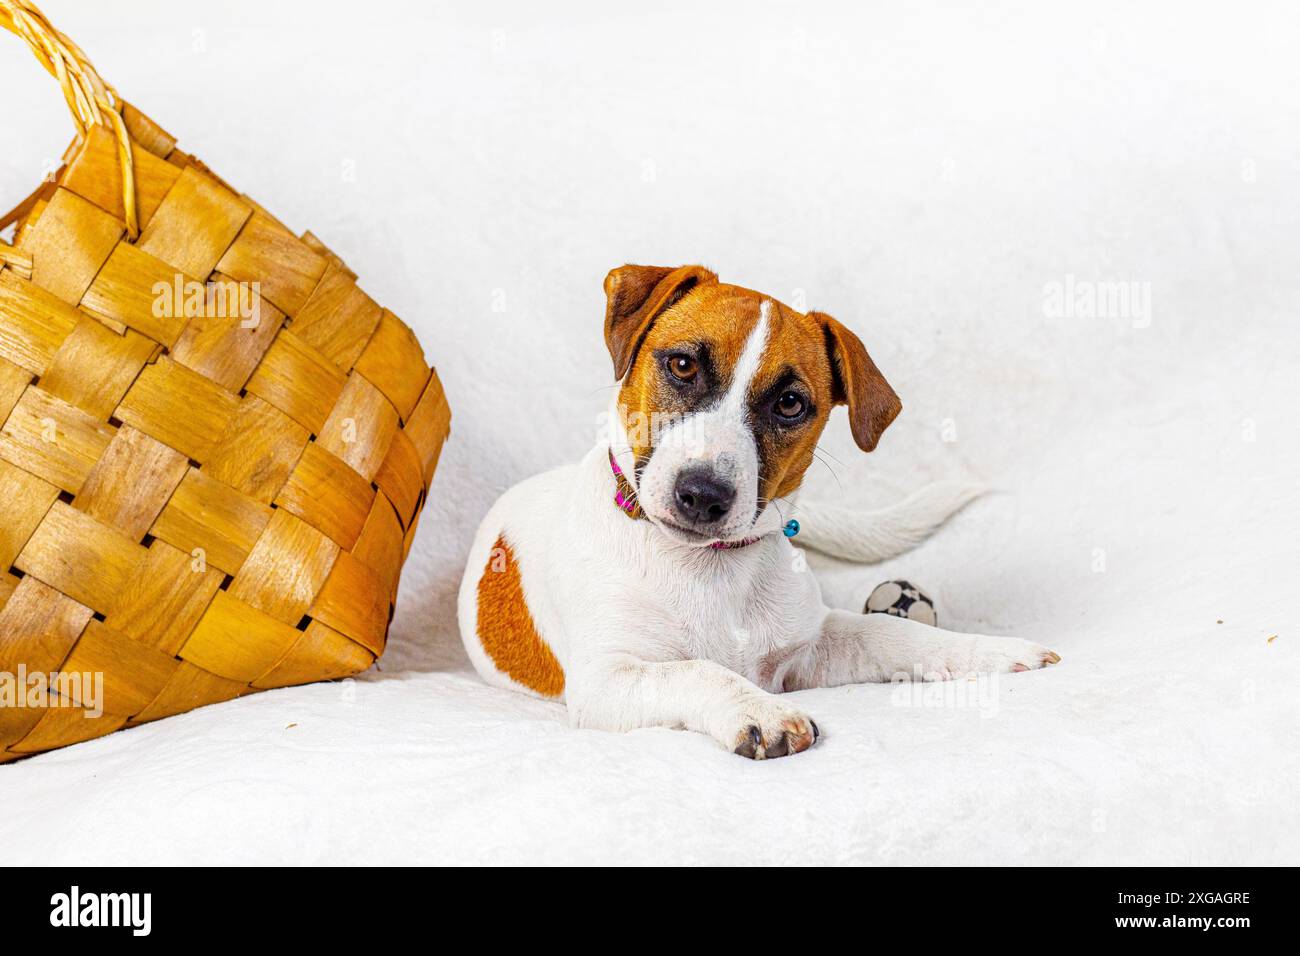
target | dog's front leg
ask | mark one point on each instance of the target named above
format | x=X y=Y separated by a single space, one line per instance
x=861 y=648
x=622 y=693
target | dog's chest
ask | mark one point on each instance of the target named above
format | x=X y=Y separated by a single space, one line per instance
x=735 y=609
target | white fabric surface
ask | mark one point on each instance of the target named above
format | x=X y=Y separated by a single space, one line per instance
x=920 y=175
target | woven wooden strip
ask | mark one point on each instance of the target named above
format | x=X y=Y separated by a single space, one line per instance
x=8 y=584
x=134 y=673
x=338 y=319
x=324 y=251
x=14 y=380
x=179 y=407
x=213 y=518
x=237 y=641
x=131 y=482
x=394 y=362
x=188 y=688
x=401 y=477
x=284 y=265
x=53 y=440
x=33 y=323
x=298 y=380
x=286 y=568
x=95 y=366
x=145 y=132
x=259 y=449
x=321 y=653
x=24 y=500
x=67 y=725
x=69 y=243
x=195 y=223
x=355 y=602
x=108 y=559
x=429 y=425
x=409 y=538
x=220 y=343
x=361 y=427
x=38 y=628
x=327 y=494
x=125 y=292
x=162 y=605
x=214 y=446
x=380 y=545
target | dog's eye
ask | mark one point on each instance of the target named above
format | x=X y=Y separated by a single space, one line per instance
x=683 y=367
x=790 y=405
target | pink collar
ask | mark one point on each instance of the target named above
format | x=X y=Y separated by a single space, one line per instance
x=625 y=498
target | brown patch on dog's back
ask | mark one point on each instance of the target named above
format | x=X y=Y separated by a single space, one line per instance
x=506 y=629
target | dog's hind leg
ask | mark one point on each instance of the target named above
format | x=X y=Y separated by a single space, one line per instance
x=865 y=648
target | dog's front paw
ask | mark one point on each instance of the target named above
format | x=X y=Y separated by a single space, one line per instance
x=766 y=727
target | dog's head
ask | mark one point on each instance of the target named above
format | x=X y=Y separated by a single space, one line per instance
x=724 y=393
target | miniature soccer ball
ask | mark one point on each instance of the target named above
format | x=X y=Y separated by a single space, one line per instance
x=901 y=599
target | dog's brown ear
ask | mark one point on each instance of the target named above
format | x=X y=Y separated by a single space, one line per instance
x=858 y=383
x=634 y=296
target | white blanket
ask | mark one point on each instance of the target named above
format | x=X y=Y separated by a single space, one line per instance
x=926 y=178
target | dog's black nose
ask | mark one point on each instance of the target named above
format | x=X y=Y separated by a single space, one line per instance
x=702 y=498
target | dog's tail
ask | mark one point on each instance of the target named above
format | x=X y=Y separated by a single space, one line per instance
x=871 y=536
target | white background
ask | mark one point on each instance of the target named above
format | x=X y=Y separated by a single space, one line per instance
x=921 y=175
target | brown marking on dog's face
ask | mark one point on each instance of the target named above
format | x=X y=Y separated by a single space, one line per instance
x=679 y=335
x=707 y=327
x=506 y=629
x=795 y=367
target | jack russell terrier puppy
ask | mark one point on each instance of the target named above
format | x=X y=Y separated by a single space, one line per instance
x=651 y=583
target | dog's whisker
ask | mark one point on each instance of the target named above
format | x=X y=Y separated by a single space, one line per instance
x=834 y=474
x=819 y=448
x=826 y=459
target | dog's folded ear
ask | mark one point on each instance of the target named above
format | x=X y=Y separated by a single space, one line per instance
x=858 y=383
x=634 y=296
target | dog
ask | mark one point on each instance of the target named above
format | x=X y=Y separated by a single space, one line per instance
x=654 y=584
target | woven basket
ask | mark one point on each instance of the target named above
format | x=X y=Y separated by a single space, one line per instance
x=194 y=504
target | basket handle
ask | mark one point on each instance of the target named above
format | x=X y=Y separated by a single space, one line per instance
x=91 y=101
